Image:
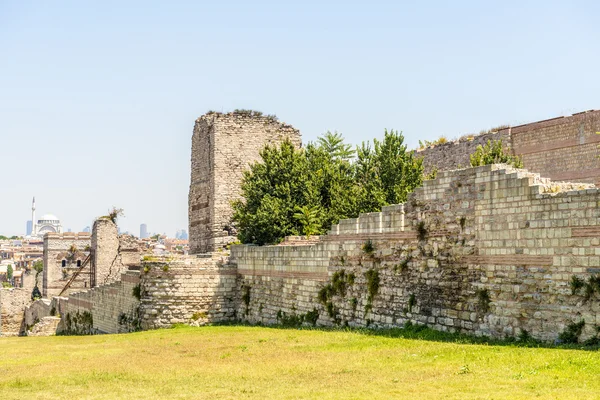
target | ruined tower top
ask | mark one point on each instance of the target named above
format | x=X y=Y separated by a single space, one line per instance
x=223 y=145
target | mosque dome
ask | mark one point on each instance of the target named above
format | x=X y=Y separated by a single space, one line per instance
x=49 y=218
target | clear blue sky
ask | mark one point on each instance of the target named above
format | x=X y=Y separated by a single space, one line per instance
x=98 y=98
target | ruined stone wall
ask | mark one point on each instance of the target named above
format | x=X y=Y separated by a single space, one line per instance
x=13 y=302
x=487 y=250
x=110 y=308
x=223 y=145
x=112 y=254
x=56 y=251
x=188 y=290
x=562 y=149
x=456 y=154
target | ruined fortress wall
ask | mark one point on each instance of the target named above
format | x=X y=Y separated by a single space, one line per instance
x=488 y=250
x=223 y=145
x=456 y=154
x=562 y=149
x=112 y=254
x=13 y=302
x=190 y=291
x=111 y=308
x=56 y=250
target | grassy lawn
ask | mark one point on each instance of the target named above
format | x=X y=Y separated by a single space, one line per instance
x=238 y=362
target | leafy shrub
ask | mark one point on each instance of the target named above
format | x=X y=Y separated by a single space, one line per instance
x=421 y=230
x=483 y=299
x=576 y=284
x=368 y=247
x=372 y=277
x=246 y=297
x=572 y=332
x=412 y=301
x=493 y=153
x=137 y=291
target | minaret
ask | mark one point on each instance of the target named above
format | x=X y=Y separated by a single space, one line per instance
x=33 y=221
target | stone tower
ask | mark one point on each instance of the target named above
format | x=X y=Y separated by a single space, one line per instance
x=223 y=145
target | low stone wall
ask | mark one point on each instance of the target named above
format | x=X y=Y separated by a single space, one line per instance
x=34 y=314
x=13 y=302
x=189 y=290
x=111 y=308
x=166 y=291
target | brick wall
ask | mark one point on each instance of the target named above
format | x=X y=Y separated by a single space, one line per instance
x=562 y=149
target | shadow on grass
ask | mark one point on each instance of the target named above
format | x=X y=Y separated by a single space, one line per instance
x=421 y=332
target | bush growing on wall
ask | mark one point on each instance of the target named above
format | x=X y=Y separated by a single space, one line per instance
x=493 y=153
x=323 y=182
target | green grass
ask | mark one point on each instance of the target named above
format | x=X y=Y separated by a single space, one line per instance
x=242 y=362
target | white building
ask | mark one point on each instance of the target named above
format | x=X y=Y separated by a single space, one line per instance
x=47 y=223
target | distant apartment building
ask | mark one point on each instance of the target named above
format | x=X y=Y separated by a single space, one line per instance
x=181 y=234
x=143 y=231
x=29 y=228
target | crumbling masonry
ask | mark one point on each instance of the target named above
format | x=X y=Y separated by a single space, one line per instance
x=223 y=146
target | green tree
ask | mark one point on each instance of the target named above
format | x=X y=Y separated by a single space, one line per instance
x=308 y=217
x=271 y=189
x=333 y=144
x=35 y=293
x=9 y=272
x=291 y=191
x=386 y=173
x=493 y=153
x=38 y=267
x=398 y=170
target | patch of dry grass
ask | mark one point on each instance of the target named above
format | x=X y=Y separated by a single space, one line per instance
x=251 y=362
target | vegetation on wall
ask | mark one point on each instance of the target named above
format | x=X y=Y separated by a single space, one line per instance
x=572 y=332
x=77 y=323
x=246 y=298
x=493 y=153
x=585 y=288
x=297 y=320
x=483 y=300
x=114 y=214
x=428 y=143
x=294 y=191
x=368 y=247
x=372 y=277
